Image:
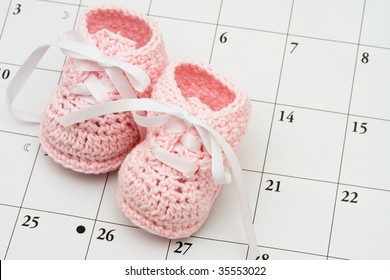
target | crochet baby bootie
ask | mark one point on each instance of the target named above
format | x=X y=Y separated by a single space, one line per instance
x=166 y=185
x=100 y=144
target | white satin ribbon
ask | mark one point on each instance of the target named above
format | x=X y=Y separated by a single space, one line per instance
x=184 y=166
x=211 y=139
x=75 y=45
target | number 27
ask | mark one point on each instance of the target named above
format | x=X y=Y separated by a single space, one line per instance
x=180 y=248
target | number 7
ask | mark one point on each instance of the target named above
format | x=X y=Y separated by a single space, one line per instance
x=295 y=46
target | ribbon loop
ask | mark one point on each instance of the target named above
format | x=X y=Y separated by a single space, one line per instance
x=75 y=45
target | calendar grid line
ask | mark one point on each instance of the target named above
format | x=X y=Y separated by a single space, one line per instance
x=5 y=19
x=327 y=111
x=21 y=204
x=216 y=30
x=182 y=19
x=282 y=33
x=310 y=108
x=56 y=213
x=18 y=133
x=218 y=239
x=150 y=6
x=168 y=247
x=97 y=215
x=59 y=2
x=292 y=251
x=320 y=110
x=321 y=181
x=368 y=117
x=346 y=130
x=322 y=39
x=8 y=205
x=75 y=19
x=273 y=115
x=299 y=177
x=253 y=29
x=374 y=46
x=37 y=68
x=338 y=258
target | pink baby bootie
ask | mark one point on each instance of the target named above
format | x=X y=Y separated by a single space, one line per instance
x=115 y=54
x=166 y=183
x=100 y=145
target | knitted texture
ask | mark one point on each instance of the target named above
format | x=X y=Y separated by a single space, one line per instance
x=100 y=144
x=159 y=198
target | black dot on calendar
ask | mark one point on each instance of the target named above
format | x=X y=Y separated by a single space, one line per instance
x=80 y=229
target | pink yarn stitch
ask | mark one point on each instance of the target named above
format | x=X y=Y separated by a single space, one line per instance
x=157 y=197
x=99 y=145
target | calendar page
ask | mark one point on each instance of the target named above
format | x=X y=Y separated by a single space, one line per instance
x=316 y=157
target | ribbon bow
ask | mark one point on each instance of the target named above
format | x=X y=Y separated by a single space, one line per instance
x=75 y=45
x=214 y=143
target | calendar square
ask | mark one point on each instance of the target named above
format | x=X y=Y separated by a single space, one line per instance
x=375 y=30
x=252 y=59
x=115 y=242
x=8 y=216
x=33 y=98
x=204 y=249
x=277 y=254
x=141 y=6
x=57 y=189
x=42 y=235
x=370 y=96
x=257 y=14
x=253 y=147
x=25 y=31
x=226 y=223
x=319 y=19
x=361 y=226
x=295 y=214
x=109 y=210
x=306 y=143
x=18 y=154
x=199 y=10
x=366 y=157
x=316 y=73
x=186 y=40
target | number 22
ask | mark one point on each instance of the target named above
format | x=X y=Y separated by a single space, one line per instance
x=350 y=197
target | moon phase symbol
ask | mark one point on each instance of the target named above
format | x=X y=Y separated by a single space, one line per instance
x=66 y=15
x=25 y=147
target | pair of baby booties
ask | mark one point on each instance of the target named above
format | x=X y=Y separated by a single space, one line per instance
x=156 y=196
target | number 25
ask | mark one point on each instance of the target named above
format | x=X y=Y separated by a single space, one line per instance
x=31 y=222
